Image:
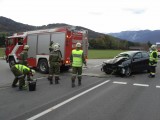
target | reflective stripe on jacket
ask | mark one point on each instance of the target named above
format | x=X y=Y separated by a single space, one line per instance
x=77 y=58
x=22 y=68
x=153 y=58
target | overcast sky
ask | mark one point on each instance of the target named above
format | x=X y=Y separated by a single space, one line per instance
x=103 y=16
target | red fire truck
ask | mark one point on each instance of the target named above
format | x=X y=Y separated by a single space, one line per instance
x=39 y=41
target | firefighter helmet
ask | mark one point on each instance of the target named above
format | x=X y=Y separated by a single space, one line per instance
x=78 y=45
x=26 y=47
x=153 y=47
x=57 y=44
x=55 y=47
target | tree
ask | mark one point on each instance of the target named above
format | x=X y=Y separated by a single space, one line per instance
x=2 y=39
x=149 y=44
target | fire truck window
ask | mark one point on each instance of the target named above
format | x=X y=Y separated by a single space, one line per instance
x=10 y=42
x=20 y=41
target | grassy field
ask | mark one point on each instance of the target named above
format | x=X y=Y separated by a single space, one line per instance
x=92 y=54
x=1 y=52
x=102 y=54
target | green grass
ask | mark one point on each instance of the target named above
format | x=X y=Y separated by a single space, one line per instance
x=2 y=52
x=92 y=54
x=103 y=54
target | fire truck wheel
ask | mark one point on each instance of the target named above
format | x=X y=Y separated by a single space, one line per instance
x=11 y=62
x=43 y=66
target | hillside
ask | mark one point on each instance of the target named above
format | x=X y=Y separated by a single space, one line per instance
x=11 y=26
x=142 y=36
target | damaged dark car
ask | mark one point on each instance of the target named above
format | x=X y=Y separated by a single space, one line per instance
x=126 y=63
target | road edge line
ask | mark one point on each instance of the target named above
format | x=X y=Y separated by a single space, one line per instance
x=66 y=101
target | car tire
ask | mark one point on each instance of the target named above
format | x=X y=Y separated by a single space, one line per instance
x=108 y=71
x=43 y=66
x=127 y=71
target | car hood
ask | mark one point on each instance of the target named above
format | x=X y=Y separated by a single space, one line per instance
x=115 y=60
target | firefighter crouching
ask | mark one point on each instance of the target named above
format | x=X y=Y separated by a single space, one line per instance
x=77 y=59
x=54 y=62
x=20 y=71
x=153 y=58
x=24 y=56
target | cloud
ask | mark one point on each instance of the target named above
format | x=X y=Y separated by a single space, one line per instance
x=95 y=13
x=135 y=11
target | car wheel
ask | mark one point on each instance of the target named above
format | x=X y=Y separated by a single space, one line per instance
x=128 y=71
x=108 y=71
x=43 y=66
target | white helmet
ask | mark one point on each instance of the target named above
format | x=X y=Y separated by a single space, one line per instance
x=57 y=44
x=153 y=47
x=78 y=45
x=55 y=47
x=33 y=72
x=26 y=47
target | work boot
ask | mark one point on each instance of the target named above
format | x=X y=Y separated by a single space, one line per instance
x=79 y=82
x=56 y=80
x=73 y=83
x=151 y=76
x=50 y=79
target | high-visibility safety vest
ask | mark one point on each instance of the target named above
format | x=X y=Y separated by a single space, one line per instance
x=152 y=59
x=77 y=58
x=22 y=67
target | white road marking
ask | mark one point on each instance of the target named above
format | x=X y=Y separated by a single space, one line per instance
x=120 y=82
x=157 y=86
x=144 y=85
x=66 y=101
x=41 y=78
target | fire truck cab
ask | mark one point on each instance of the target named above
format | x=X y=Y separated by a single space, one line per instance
x=39 y=41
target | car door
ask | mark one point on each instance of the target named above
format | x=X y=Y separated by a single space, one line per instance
x=145 y=60
x=137 y=62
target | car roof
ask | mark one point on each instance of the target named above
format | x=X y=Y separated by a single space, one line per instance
x=131 y=52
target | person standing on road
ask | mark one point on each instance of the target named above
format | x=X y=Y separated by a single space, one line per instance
x=54 y=62
x=24 y=56
x=77 y=59
x=20 y=71
x=153 y=58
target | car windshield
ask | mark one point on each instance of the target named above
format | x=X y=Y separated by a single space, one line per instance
x=123 y=55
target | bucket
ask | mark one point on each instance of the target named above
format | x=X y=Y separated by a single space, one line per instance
x=32 y=85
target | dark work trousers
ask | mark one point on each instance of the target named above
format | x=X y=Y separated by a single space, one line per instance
x=152 y=70
x=75 y=71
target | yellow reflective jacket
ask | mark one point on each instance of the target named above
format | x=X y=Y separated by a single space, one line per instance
x=77 y=58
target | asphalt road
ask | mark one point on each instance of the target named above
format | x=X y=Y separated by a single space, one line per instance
x=101 y=97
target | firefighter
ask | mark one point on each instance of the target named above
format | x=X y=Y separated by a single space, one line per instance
x=20 y=71
x=153 y=58
x=24 y=56
x=54 y=61
x=77 y=59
